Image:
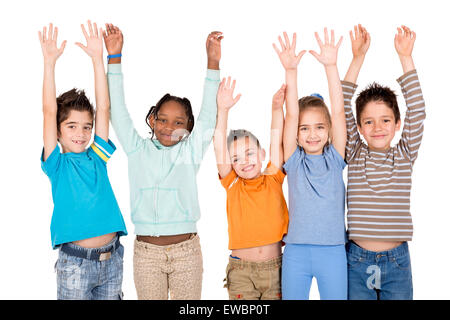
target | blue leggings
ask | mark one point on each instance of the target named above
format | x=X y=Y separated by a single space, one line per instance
x=302 y=262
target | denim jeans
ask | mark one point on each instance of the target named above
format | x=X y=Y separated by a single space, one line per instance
x=302 y=262
x=384 y=275
x=83 y=279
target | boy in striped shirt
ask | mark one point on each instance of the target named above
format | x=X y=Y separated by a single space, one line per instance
x=379 y=176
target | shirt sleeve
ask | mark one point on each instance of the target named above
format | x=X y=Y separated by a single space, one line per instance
x=415 y=115
x=353 y=138
x=203 y=131
x=337 y=157
x=293 y=159
x=228 y=180
x=50 y=165
x=102 y=149
x=275 y=172
x=120 y=118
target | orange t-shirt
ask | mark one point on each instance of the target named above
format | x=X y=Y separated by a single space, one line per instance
x=256 y=209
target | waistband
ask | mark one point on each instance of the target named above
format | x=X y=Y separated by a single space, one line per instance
x=100 y=254
x=263 y=265
x=353 y=248
x=190 y=243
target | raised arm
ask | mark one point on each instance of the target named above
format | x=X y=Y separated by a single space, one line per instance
x=360 y=44
x=203 y=131
x=415 y=114
x=290 y=61
x=328 y=57
x=120 y=118
x=51 y=53
x=404 y=44
x=276 y=130
x=225 y=101
x=94 y=49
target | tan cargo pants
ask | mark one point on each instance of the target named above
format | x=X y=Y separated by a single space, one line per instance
x=246 y=280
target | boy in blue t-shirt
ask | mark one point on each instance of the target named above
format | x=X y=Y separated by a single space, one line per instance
x=86 y=222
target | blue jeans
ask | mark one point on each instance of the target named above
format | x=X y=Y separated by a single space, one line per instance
x=302 y=262
x=384 y=275
x=83 y=279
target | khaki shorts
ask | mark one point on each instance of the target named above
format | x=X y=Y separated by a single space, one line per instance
x=175 y=268
x=248 y=280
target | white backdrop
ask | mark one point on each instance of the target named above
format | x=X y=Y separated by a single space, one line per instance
x=164 y=51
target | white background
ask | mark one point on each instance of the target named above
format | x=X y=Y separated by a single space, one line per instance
x=164 y=52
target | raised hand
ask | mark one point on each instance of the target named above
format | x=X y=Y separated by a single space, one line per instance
x=328 y=49
x=287 y=55
x=49 y=46
x=360 y=41
x=278 y=98
x=94 y=46
x=404 y=41
x=113 y=38
x=213 y=49
x=225 y=98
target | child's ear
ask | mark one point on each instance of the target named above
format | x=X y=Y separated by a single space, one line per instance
x=263 y=154
x=398 y=125
x=151 y=121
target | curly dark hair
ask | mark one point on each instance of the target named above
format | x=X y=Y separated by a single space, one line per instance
x=73 y=99
x=166 y=98
x=378 y=93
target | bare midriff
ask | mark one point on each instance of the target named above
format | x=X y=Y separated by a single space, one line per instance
x=377 y=246
x=259 y=254
x=96 y=242
x=165 y=240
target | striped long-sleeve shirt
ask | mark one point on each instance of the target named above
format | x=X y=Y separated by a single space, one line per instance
x=379 y=183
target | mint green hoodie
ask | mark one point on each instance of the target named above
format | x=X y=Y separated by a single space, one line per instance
x=163 y=184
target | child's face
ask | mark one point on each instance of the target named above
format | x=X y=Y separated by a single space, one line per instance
x=378 y=125
x=171 y=123
x=246 y=158
x=75 y=132
x=313 y=131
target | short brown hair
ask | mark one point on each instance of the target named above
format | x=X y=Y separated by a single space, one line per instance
x=234 y=135
x=72 y=100
x=377 y=93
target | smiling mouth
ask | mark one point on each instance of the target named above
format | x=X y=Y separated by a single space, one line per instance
x=248 y=168
x=378 y=136
x=79 y=142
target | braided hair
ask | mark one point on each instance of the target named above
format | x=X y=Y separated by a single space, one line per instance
x=184 y=102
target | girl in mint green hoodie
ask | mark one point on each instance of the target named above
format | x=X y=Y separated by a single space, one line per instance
x=162 y=174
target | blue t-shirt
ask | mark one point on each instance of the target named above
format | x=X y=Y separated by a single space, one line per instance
x=84 y=202
x=316 y=198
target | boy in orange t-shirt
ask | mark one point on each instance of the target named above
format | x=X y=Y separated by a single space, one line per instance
x=256 y=209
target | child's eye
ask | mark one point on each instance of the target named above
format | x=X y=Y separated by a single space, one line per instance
x=303 y=129
x=387 y=120
x=87 y=128
x=320 y=127
x=179 y=123
x=162 y=120
x=368 y=122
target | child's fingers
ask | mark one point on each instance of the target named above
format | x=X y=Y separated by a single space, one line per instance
x=235 y=100
x=63 y=46
x=84 y=31
x=315 y=54
x=50 y=32
x=91 y=32
x=294 y=41
x=319 y=41
x=283 y=47
x=339 y=42
x=55 y=34
x=300 y=55
x=101 y=32
x=351 y=36
x=40 y=37
x=45 y=34
x=95 y=30
x=233 y=85
x=274 y=46
x=332 y=37
x=325 y=32
x=286 y=39
x=82 y=46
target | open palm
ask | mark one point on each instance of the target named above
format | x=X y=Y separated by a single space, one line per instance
x=225 y=98
x=113 y=39
x=94 y=44
x=287 y=55
x=49 y=46
x=328 y=49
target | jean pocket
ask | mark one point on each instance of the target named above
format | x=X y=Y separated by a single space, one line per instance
x=402 y=262
x=354 y=261
x=227 y=276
